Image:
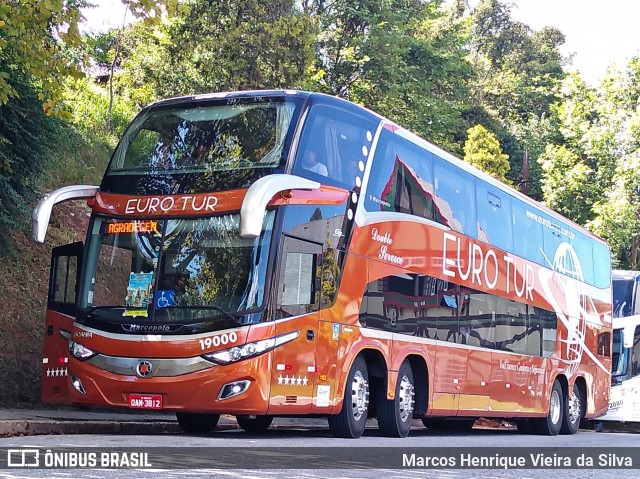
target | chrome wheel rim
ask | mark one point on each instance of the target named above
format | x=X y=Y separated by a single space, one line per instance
x=574 y=408
x=406 y=401
x=359 y=395
x=555 y=407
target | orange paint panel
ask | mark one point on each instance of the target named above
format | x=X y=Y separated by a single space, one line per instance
x=196 y=392
x=55 y=381
x=200 y=204
x=325 y=195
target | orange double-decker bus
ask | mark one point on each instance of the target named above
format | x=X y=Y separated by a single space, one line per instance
x=283 y=253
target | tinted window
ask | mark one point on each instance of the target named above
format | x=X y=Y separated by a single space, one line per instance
x=202 y=146
x=334 y=146
x=546 y=322
x=416 y=305
x=494 y=216
x=623 y=297
x=584 y=251
x=298 y=289
x=635 y=354
x=511 y=326
x=401 y=178
x=602 y=265
x=456 y=198
x=527 y=234
x=476 y=318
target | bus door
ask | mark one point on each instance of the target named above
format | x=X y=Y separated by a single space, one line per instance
x=61 y=308
x=299 y=288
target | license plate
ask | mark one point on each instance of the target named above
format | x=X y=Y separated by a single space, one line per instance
x=145 y=401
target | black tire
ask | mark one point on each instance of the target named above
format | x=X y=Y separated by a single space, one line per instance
x=574 y=408
x=254 y=424
x=351 y=420
x=550 y=425
x=195 y=423
x=395 y=416
x=452 y=425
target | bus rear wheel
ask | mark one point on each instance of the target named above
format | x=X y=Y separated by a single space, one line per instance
x=255 y=424
x=550 y=425
x=395 y=416
x=573 y=412
x=351 y=420
x=196 y=423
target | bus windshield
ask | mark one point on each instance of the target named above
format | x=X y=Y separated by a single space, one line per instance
x=174 y=270
x=203 y=147
x=622 y=297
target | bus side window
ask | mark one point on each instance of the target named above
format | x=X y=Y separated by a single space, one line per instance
x=604 y=344
x=635 y=357
x=299 y=290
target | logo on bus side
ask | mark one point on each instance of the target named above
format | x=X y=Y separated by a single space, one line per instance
x=165 y=204
x=386 y=240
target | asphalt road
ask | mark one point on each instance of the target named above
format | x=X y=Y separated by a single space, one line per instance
x=311 y=452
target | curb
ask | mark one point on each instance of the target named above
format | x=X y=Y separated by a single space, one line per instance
x=34 y=427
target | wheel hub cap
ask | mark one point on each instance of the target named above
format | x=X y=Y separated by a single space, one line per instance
x=574 y=408
x=359 y=395
x=406 y=399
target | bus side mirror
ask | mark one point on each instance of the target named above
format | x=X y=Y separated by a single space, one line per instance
x=42 y=211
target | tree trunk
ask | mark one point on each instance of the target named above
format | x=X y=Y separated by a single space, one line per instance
x=633 y=256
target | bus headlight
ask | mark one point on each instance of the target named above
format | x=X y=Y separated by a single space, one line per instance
x=80 y=352
x=249 y=350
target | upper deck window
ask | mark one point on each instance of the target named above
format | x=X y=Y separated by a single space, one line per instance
x=195 y=147
x=334 y=146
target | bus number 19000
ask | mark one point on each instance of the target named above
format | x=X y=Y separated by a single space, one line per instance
x=218 y=340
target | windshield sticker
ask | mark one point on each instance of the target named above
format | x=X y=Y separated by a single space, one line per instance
x=165 y=298
x=138 y=294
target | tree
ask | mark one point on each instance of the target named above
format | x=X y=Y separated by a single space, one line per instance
x=517 y=75
x=617 y=216
x=36 y=39
x=224 y=45
x=403 y=59
x=568 y=184
x=483 y=151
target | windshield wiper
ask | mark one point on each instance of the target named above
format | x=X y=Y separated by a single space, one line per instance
x=95 y=308
x=233 y=317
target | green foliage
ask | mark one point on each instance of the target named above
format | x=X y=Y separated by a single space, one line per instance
x=32 y=33
x=568 y=184
x=90 y=106
x=405 y=60
x=26 y=138
x=617 y=216
x=483 y=151
x=38 y=39
x=518 y=72
x=226 y=45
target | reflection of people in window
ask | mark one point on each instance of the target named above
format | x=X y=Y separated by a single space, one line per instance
x=162 y=153
x=311 y=163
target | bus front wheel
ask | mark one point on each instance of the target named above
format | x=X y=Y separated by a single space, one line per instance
x=195 y=423
x=351 y=420
x=395 y=416
x=550 y=425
